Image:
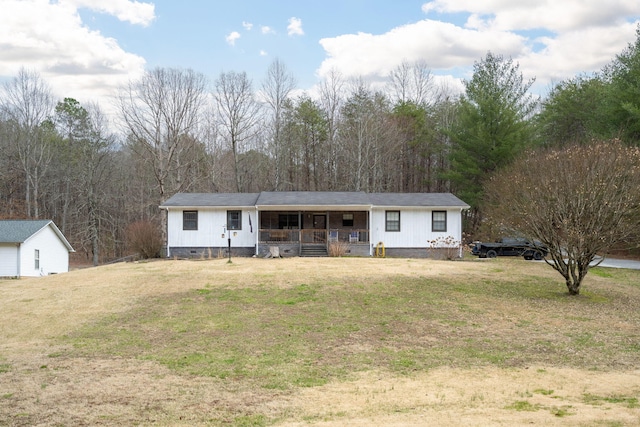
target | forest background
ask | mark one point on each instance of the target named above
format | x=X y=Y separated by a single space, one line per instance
x=101 y=177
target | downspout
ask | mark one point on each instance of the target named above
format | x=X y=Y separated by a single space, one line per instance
x=18 y=263
x=167 y=233
x=460 y=255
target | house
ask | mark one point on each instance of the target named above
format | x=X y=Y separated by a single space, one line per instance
x=307 y=222
x=32 y=248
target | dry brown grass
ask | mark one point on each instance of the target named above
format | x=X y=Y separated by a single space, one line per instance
x=45 y=382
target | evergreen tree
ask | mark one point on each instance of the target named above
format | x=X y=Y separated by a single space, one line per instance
x=493 y=126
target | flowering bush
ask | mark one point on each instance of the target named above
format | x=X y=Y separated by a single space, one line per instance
x=444 y=248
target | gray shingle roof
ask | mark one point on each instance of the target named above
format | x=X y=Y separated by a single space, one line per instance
x=212 y=199
x=19 y=230
x=314 y=198
x=444 y=200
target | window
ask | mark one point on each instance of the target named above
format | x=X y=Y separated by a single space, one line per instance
x=392 y=221
x=189 y=220
x=439 y=221
x=37 y=259
x=288 y=221
x=234 y=220
x=347 y=220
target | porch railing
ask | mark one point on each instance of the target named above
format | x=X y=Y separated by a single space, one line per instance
x=314 y=236
x=278 y=235
x=349 y=236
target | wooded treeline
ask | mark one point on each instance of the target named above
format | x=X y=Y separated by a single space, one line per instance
x=175 y=131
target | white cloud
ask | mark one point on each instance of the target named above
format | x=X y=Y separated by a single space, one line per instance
x=247 y=25
x=295 y=27
x=125 y=10
x=554 y=16
x=549 y=40
x=442 y=45
x=263 y=53
x=575 y=52
x=265 y=29
x=50 y=38
x=232 y=37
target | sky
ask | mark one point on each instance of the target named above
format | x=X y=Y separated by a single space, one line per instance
x=87 y=49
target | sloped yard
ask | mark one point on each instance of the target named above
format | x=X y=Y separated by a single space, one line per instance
x=332 y=341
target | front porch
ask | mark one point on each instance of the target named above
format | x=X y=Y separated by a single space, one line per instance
x=293 y=231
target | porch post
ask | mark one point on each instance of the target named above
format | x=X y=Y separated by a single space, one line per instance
x=257 y=232
x=299 y=232
x=369 y=216
x=326 y=231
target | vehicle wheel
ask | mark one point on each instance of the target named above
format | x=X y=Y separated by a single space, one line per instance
x=492 y=254
x=537 y=255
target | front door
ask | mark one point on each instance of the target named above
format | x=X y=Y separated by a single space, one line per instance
x=320 y=222
x=318 y=234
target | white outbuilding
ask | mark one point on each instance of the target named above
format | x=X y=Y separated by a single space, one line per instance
x=32 y=248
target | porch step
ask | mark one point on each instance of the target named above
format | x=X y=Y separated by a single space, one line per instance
x=313 y=251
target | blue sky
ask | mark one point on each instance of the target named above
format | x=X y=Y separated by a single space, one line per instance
x=86 y=49
x=193 y=33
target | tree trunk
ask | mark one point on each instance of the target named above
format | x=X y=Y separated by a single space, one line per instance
x=573 y=287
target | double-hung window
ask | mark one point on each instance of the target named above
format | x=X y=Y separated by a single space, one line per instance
x=37 y=259
x=189 y=220
x=392 y=221
x=347 y=220
x=439 y=221
x=234 y=220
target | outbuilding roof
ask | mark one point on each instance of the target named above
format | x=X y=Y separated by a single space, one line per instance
x=20 y=230
x=359 y=199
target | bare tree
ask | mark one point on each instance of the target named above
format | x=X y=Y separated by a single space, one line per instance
x=276 y=88
x=364 y=135
x=412 y=82
x=331 y=101
x=27 y=105
x=96 y=171
x=579 y=202
x=238 y=113
x=161 y=111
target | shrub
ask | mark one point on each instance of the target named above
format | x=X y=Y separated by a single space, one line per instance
x=338 y=249
x=144 y=238
x=444 y=248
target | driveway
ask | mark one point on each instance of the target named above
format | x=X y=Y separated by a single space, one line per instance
x=620 y=263
x=615 y=263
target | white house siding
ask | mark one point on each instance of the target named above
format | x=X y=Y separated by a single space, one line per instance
x=211 y=233
x=8 y=260
x=415 y=227
x=54 y=255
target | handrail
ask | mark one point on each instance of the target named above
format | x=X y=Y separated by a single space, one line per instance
x=312 y=235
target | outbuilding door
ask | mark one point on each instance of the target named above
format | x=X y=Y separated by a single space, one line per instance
x=8 y=260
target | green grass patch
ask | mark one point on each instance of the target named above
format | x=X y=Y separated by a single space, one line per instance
x=630 y=402
x=562 y=411
x=306 y=334
x=523 y=405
